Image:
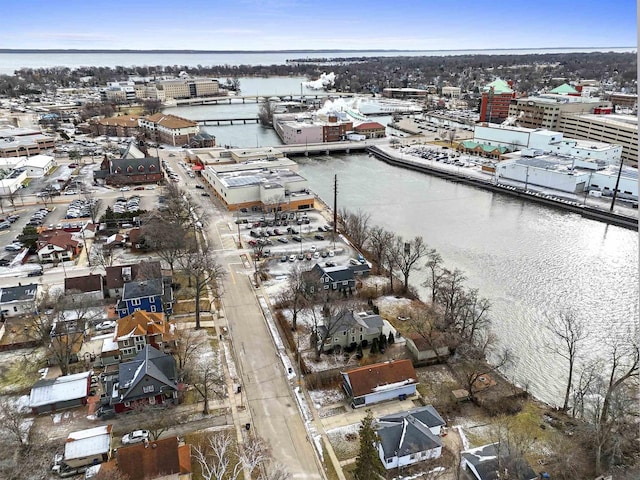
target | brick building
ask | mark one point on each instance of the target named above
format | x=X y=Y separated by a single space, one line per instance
x=496 y=98
x=122 y=126
x=169 y=129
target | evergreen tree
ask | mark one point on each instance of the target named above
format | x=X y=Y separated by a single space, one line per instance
x=382 y=340
x=359 y=352
x=368 y=465
x=374 y=346
x=391 y=339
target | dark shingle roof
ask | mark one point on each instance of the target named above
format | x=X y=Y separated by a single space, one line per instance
x=485 y=460
x=139 y=271
x=149 y=361
x=20 y=292
x=86 y=283
x=405 y=437
x=143 y=288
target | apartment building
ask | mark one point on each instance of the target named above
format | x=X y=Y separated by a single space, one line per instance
x=118 y=92
x=617 y=129
x=189 y=87
x=122 y=126
x=169 y=129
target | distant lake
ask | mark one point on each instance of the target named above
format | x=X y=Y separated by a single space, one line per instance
x=10 y=62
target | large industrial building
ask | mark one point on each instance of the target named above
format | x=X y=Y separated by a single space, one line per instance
x=303 y=129
x=260 y=185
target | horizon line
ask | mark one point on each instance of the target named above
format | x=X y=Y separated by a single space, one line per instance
x=331 y=50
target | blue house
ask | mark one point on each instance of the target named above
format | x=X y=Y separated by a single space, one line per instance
x=154 y=295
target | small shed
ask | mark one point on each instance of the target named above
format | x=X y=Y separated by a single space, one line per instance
x=88 y=447
x=68 y=391
x=379 y=382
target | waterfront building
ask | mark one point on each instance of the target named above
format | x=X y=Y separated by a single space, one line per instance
x=496 y=98
x=145 y=91
x=15 y=142
x=118 y=92
x=616 y=128
x=518 y=138
x=545 y=110
x=261 y=185
x=296 y=129
x=169 y=129
x=189 y=88
x=625 y=100
x=370 y=129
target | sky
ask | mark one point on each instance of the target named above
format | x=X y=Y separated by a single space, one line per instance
x=317 y=24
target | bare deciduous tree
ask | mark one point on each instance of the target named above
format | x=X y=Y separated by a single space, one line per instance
x=475 y=368
x=221 y=458
x=265 y=113
x=569 y=331
x=355 y=225
x=13 y=422
x=408 y=255
x=435 y=272
x=204 y=272
x=378 y=243
x=293 y=297
x=167 y=238
x=189 y=344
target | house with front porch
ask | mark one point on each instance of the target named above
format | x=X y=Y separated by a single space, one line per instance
x=150 y=378
x=56 y=246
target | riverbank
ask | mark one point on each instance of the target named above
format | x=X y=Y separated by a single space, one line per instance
x=397 y=158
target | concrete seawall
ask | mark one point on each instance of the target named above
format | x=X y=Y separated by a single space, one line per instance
x=586 y=211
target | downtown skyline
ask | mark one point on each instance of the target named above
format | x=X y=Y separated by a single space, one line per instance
x=278 y=25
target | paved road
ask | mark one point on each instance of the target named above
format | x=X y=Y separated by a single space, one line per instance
x=273 y=409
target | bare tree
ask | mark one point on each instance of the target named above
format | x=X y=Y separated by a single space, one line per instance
x=451 y=135
x=408 y=255
x=207 y=378
x=334 y=312
x=450 y=296
x=220 y=458
x=378 y=243
x=189 y=344
x=104 y=255
x=265 y=113
x=570 y=331
x=168 y=238
x=424 y=322
x=204 y=272
x=13 y=422
x=435 y=272
x=151 y=106
x=475 y=368
x=293 y=297
x=60 y=323
x=356 y=226
x=156 y=418
x=94 y=205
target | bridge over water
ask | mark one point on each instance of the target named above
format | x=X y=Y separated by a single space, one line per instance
x=263 y=98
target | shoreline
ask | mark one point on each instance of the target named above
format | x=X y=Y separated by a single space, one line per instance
x=584 y=210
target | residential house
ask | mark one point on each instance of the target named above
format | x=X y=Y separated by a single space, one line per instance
x=85 y=288
x=54 y=394
x=349 y=327
x=141 y=328
x=340 y=278
x=57 y=245
x=151 y=377
x=166 y=458
x=379 y=382
x=87 y=447
x=116 y=276
x=154 y=296
x=18 y=300
x=493 y=462
x=409 y=437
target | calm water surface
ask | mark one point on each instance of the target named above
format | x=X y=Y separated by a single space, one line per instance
x=528 y=260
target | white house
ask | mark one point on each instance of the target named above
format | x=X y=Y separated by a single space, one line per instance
x=18 y=300
x=409 y=437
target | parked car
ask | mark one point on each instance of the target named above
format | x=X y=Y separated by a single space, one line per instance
x=125 y=189
x=136 y=436
x=319 y=237
x=205 y=194
x=295 y=238
x=200 y=187
x=292 y=258
x=106 y=325
x=284 y=258
x=283 y=240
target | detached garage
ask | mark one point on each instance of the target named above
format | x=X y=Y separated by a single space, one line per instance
x=68 y=391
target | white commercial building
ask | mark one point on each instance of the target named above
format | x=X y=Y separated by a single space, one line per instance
x=265 y=185
x=38 y=165
x=547 y=141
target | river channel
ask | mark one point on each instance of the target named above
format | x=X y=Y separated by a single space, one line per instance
x=530 y=261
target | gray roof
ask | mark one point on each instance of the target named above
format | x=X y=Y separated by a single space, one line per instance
x=144 y=288
x=61 y=389
x=347 y=320
x=149 y=361
x=134 y=163
x=485 y=461
x=426 y=415
x=405 y=436
x=18 y=293
x=336 y=274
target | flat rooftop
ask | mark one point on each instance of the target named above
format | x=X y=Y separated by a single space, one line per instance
x=265 y=177
x=613 y=119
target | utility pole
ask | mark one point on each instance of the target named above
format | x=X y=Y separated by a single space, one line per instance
x=335 y=209
x=615 y=190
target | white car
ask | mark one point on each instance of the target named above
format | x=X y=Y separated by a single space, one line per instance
x=150 y=187
x=136 y=436
x=106 y=325
x=125 y=189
